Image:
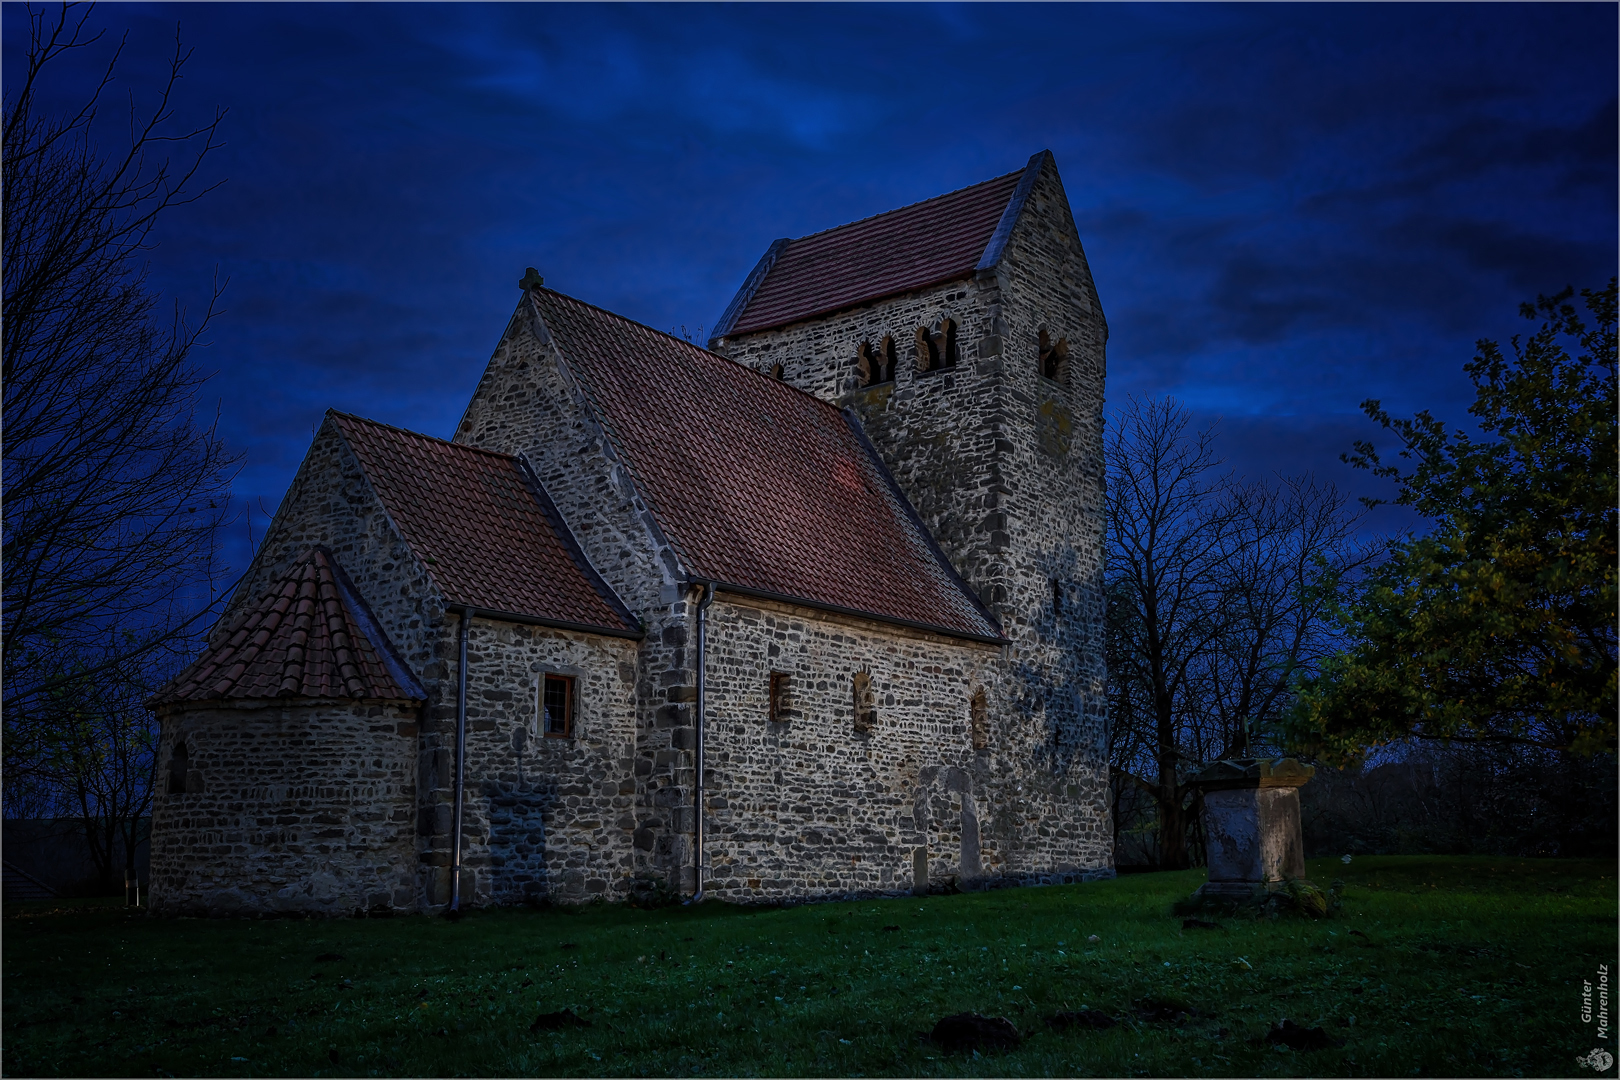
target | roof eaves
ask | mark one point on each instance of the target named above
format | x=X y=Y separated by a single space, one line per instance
x=922 y=529
x=1015 y=207
x=170 y=705
x=498 y=615
x=746 y=293
x=821 y=605
x=566 y=536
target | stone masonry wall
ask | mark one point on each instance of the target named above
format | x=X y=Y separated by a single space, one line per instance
x=810 y=806
x=304 y=808
x=1005 y=466
x=543 y=817
x=528 y=403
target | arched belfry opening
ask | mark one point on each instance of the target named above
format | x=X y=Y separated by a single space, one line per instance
x=938 y=348
x=875 y=364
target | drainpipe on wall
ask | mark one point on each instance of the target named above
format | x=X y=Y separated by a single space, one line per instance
x=697 y=751
x=461 y=757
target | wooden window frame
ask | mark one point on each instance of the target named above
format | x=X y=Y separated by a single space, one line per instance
x=570 y=709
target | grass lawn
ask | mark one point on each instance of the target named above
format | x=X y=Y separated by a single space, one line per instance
x=1462 y=967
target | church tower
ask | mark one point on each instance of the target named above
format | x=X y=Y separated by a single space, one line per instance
x=965 y=335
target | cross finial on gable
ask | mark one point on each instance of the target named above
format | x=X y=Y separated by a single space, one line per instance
x=531 y=280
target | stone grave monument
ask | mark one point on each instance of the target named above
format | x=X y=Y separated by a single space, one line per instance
x=1251 y=820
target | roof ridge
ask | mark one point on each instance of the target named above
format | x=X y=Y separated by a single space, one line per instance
x=699 y=348
x=907 y=206
x=420 y=434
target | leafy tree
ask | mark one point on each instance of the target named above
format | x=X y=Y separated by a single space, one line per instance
x=1498 y=626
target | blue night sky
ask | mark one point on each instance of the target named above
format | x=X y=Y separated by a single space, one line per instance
x=1287 y=209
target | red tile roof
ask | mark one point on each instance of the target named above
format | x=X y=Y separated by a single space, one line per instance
x=758 y=486
x=938 y=240
x=309 y=636
x=484 y=529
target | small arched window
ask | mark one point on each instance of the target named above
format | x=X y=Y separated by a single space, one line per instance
x=179 y=763
x=1054 y=358
x=979 y=720
x=777 y=372
x=948 y=349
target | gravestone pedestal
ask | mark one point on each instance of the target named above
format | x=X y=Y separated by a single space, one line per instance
x=1251 y=822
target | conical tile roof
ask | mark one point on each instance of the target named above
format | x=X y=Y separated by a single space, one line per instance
x=309 y=636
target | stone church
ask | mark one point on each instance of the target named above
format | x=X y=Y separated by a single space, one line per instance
x=813 y=612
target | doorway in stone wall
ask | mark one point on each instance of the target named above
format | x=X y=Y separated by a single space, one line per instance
x=948 y=821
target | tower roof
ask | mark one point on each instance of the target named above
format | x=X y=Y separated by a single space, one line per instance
x=484 y=529
x=759 y=487
x=309 y=636
x=928 y=243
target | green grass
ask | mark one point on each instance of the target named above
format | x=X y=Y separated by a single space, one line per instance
x=1469 y=966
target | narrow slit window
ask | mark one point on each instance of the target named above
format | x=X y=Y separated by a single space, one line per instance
x=865 y=702
x=179 y=762
x=557 y=706
x=1054 y=358
x=1057 y=597
x=778 y=697
x=948 y=350
x=979 y=720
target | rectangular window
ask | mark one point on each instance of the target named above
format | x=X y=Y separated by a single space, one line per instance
x=779 y=691
x=557 y=702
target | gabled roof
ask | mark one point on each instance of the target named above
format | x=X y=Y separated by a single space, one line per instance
x=484 y=529
x=927 y=243
x=309 y=636
x=759 y=487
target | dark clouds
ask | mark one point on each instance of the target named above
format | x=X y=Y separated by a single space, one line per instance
x=1287 y=209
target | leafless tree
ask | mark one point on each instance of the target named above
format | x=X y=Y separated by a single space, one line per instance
x=97 y=763
x=114 y=492
x=1218 y=591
